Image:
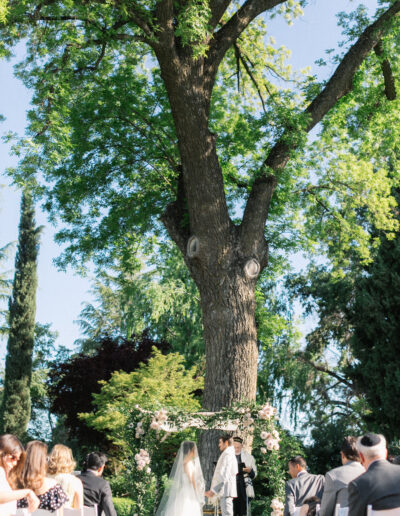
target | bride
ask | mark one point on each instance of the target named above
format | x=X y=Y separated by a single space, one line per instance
x=184 y=492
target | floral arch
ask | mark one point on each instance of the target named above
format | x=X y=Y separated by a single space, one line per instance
x=149 y=432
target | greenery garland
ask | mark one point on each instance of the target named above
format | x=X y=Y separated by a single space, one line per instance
x=149 y=433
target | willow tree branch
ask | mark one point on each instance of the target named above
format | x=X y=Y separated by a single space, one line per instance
x=341 y=82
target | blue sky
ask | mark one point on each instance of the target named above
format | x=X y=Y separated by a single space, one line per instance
x=60 y=295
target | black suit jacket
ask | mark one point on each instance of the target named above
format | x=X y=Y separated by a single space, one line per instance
x=97 y=491
x=379 y=486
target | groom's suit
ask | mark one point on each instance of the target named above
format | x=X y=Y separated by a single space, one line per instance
x=223 y=483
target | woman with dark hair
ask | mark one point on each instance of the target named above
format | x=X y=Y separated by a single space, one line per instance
x=34 y=476
x=11 y=460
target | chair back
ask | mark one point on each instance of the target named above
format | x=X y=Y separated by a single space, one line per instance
x=73 y=512
x=341 y=511
x=384 y=512
x=89 y=511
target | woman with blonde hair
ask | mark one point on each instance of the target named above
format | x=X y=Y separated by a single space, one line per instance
x=11 y=460
x=61 y=465
x=34 y=476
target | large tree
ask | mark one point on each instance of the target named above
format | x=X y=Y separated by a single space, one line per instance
x=136 y=118
x=16 y=404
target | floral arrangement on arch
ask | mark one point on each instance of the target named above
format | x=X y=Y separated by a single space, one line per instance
x=149 y=429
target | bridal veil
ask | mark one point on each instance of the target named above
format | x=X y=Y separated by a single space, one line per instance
x=184 y=491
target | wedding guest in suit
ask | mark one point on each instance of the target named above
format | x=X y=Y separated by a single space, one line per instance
x=223 y=484
x=96 y=490
x=379 y=486
x=301 y=486
x=247 y=472
x=337 y=480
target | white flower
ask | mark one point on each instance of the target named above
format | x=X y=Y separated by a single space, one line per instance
x=263 y=450
x=154 y=425
x=265 y=435
x=276 y=435
x=276 y=504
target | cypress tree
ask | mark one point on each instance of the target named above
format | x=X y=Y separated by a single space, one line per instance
x=16 y=405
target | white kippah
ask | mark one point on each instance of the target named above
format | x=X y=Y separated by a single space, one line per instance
x=371 y=444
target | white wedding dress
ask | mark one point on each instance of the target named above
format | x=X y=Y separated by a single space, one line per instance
x=184 y=493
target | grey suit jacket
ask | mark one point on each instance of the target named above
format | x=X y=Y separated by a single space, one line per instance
x=335 y=490
x=379 y=486
x=302 y=487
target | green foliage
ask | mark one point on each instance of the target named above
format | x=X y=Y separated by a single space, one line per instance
x=272 y=471
x=192 y=26
x=163 y=381
x=124 y=506
x=42 y=420
x=375 y=340
x=3 y=10
x=160 y=298
x=102 y=135
x=16 y=403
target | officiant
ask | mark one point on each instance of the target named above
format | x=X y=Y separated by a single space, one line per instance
x=244 y=480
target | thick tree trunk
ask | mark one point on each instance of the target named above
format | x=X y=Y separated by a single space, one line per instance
x=218 y=260
x=228 y=306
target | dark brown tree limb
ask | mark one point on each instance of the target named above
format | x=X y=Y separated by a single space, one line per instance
x=341 y=82
x=390 y=86
x=218 y=7
x=173 y=217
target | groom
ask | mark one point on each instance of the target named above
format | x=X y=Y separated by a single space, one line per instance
x=223 y=484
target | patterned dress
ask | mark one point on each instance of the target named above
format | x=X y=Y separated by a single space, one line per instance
x=51 y=500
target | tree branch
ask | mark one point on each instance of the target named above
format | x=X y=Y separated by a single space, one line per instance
x=242 y=59
x=218 y=7
x=232 y=29
x=173 y=217
x=390 y=87
x=326 y=370
x=341 y=82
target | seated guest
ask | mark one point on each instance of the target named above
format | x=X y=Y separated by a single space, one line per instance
x=61 y=466
x=337 y=480
x=34 y=476
x=96 y=490
x=379 y=486
x=309 y=507
x=301 y=486
x=11 y=460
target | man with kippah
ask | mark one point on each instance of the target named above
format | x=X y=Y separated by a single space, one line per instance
x=379 y=486
x=247 y=470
